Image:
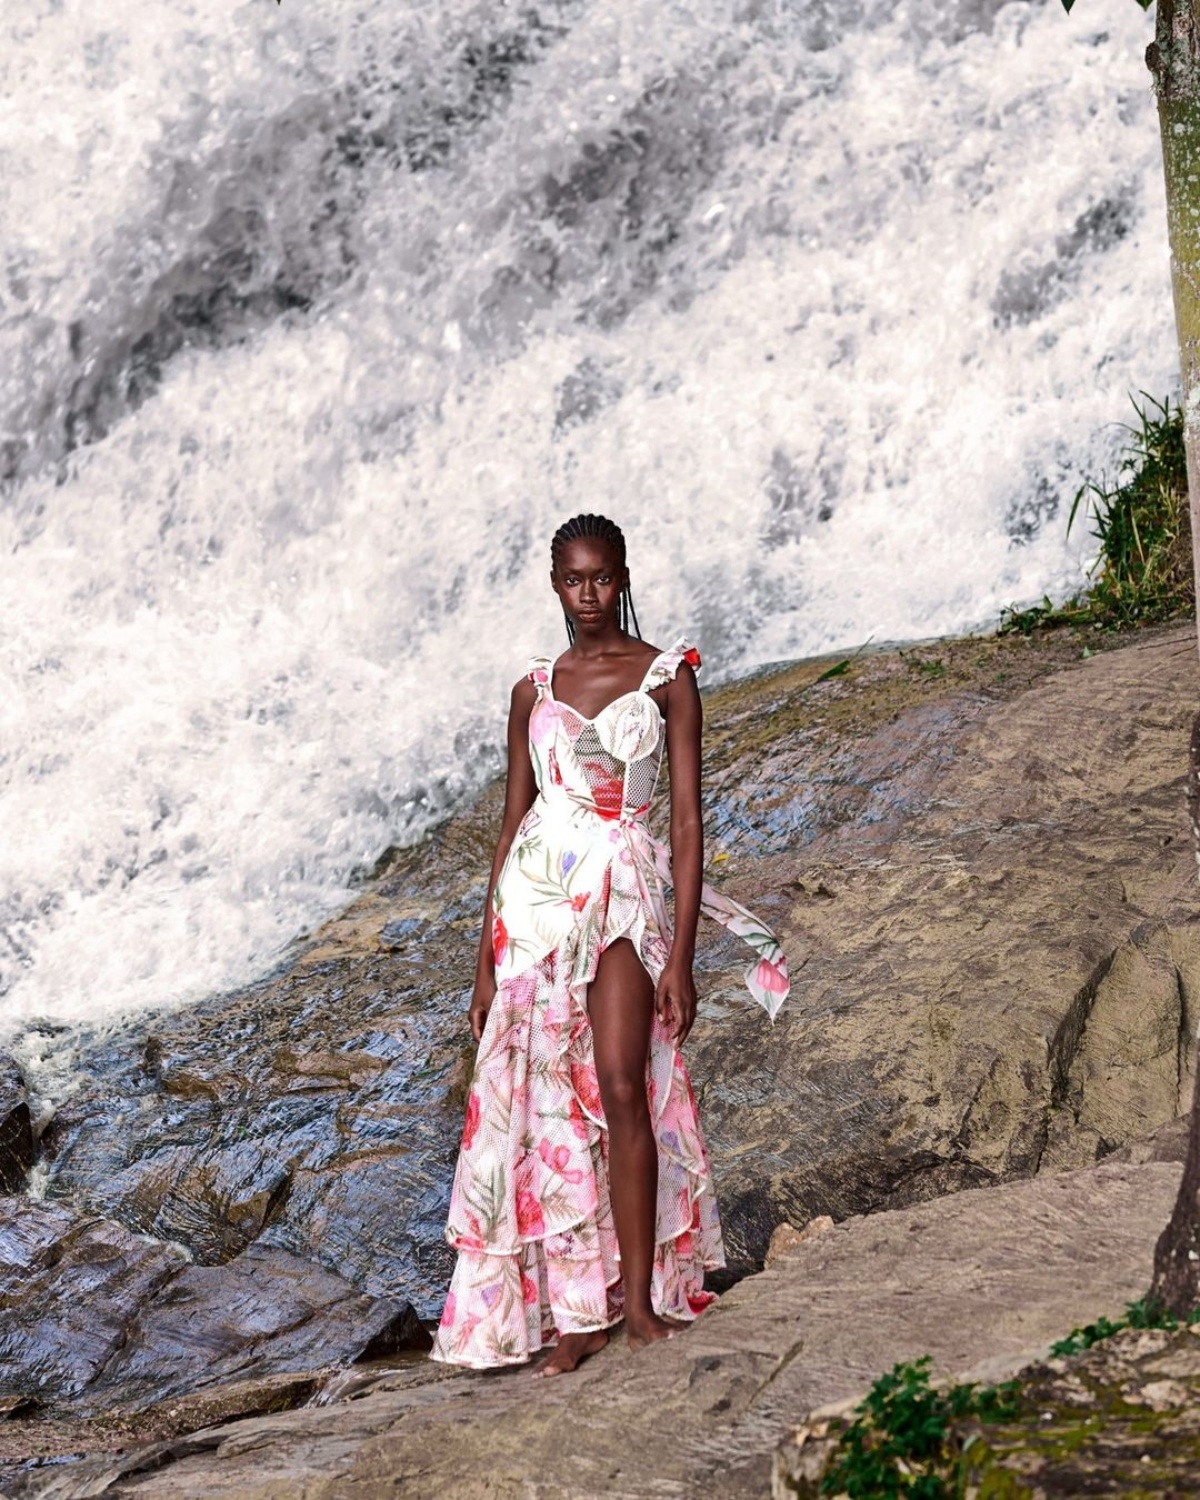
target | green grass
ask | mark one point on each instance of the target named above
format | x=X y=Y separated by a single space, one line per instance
x=1143 y=573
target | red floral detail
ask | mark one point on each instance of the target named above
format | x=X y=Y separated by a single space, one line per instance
x=770 y=977
x=556 y=778
x=692 y=657
x=529 y=1214
x=608 y=792
x=471 y=1124
x=558 y=1159
x=580 y=900
x=499 y=938
x=576 y=1119
x=529 y=1290
x=587 y=1089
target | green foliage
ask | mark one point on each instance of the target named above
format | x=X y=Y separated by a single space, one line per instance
x=1146 y=1312
x=1144 y=570
x=904 y=1442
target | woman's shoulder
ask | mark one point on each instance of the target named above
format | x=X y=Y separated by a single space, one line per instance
x=664 y=665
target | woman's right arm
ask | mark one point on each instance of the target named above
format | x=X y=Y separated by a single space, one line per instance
x=519 y=791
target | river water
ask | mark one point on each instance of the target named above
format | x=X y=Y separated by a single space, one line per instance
x=315 y=321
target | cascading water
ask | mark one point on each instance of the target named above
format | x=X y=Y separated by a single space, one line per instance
x=316 y=321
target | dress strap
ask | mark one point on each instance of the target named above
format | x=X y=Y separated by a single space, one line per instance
x=665 y=665
x=539 y=671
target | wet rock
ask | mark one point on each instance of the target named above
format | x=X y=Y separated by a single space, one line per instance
x=16 y=1130
x=70 y=1286
x=92 y=1312
x=265 y=1313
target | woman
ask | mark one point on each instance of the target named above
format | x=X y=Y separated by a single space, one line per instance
x=582 y=1193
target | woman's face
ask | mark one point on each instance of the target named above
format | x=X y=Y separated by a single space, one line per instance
x=588 y=580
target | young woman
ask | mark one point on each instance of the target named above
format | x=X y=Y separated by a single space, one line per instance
x=582 y=1193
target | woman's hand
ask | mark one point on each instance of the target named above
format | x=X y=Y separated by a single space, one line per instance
x=481 y=1003
x=675 y=999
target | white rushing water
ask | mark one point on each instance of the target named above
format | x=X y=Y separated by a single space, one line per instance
x=315 y=321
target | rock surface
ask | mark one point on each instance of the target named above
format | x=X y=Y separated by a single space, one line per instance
x=984 y=1280
x=977 y=855
x=16 y=1128
x=1121 y=1418
x=90 y=1311
x=979 y=864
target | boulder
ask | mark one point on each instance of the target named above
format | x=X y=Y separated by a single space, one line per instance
x=95 y=1314
x=16 y=1128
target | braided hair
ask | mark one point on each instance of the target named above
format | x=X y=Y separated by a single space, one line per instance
x=599 y=529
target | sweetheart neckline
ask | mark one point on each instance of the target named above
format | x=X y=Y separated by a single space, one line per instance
x=632 y=693
x=591 y=719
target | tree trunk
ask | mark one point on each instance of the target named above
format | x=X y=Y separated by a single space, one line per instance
x=1174 y=59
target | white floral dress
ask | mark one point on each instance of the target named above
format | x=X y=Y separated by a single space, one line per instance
x=529 y=1210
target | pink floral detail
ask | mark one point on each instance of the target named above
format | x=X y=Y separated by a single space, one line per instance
x=499 y=938
x=558 y=1159
x=448 y=1312
x=769 y=977
x=575 y=1117
x=587 y=1089
x=530 y=1219
x=529 y=1290
x=471 y=1123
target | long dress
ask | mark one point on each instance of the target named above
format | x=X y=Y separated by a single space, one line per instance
x=529 y=1209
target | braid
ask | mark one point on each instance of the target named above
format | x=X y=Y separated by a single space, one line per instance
x=600 y=529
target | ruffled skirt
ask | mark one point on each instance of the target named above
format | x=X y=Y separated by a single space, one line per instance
x=529 y=1214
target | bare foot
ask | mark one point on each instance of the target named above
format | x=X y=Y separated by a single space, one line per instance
x=648 y=1329
x=570 y=1350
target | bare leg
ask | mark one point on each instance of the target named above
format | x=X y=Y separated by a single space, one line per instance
x=621 y=1007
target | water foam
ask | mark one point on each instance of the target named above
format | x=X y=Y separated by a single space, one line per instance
x=310 y=337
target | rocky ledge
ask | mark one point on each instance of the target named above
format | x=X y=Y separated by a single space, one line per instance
x=977 y=854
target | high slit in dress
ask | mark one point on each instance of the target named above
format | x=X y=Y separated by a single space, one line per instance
x=529 y=1209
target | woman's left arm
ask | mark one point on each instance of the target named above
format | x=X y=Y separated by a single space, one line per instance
x=675 y=999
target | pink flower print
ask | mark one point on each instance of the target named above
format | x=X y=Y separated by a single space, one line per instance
x=448 y=1312
x=530 y=1220
x=556 y=778
x=471 y=1124
x=608 y=791
x=587 y=1089
x=557 y=1159
x=529 y=1290
x=770 y=977
x=499 y=938
x=473 y=1238
x=576 y=1119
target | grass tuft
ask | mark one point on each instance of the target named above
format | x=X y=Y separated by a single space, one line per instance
x=1143 y=573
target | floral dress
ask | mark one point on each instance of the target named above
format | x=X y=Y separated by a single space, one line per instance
x=529 y=1209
